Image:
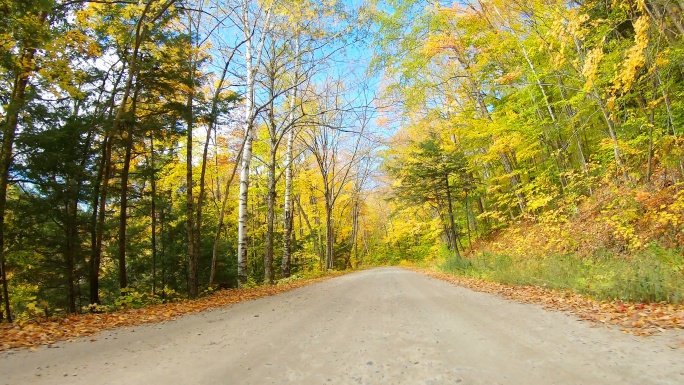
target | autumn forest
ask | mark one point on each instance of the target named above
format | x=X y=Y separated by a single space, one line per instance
x=160 y=150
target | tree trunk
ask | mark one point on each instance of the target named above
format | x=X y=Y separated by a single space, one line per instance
x=162 y=220
x=127 y=133
x=329 y=237
x=16 y=104
x=247 y=155
x=274 y=141
x=212 y=126
x=193 y=226
x=613 y=137
x=288 y=211
x=270 y=218
x=123 y=210
x=243 y=208
x=153 y=216
x=649 y=170
x=355 y=233
x=452 y=222
x=9 y=129
x=71 y=249
x=470 y=223
x=2 y=293
x=99 y=218
x=251 y=66
x=200 y=198
x=222 y=213
x=193 y=278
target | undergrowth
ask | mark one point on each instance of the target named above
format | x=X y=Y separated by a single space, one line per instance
x=652 y=275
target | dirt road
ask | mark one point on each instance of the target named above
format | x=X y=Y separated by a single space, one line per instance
x=382 y=326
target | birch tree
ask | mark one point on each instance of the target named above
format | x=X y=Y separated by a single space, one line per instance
x=255 y=21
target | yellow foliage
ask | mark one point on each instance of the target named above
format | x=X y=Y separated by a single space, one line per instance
x=635 y=58
x=591 y=65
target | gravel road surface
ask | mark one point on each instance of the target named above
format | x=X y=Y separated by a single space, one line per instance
x=380 y=326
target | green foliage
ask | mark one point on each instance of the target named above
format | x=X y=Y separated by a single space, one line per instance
x=292 y=278
x=653 y=275
x=132 y=299
x=250 y=284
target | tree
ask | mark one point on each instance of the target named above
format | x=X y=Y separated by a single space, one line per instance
x=26 y=33
x=426 y=173
x=251 y=18
x=336 y=153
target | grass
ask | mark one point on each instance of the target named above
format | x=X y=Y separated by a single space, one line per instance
x=653 y=275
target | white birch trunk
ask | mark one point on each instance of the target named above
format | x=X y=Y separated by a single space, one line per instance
x=288 y=212
x=251 y=67
x=247 y=153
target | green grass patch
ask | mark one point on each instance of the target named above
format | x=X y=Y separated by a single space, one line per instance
x=653 y=275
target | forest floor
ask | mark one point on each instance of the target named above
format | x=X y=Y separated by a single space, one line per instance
x=386 y=325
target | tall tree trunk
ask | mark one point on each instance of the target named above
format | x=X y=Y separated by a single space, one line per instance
x=162 y=220
x=610 y=123
x=272 y=127
x=193 y=278
x=153 y=216
x=123 y=209
x=247 y=155
x=120 y=124
x=98 y=203
x=329 y=236
x=3 y=293
x=243 y=208
x=470 y=223
x=71 y=248
x=224 y=198
x=127 y=134
x=355 y=232
x=194 y=225
x=217 y=237
x=270 y=218
x=649 y=170
x=452 y=222
x=288 y=209
x=98 y=217
x=201 y=196
x=212 y=126
x=251 y=66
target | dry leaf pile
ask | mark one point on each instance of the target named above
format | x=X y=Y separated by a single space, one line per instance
x=635 y=318
x=48 y=331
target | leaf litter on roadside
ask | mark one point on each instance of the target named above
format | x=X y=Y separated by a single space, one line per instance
x=44 y=331
x=635 y=318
